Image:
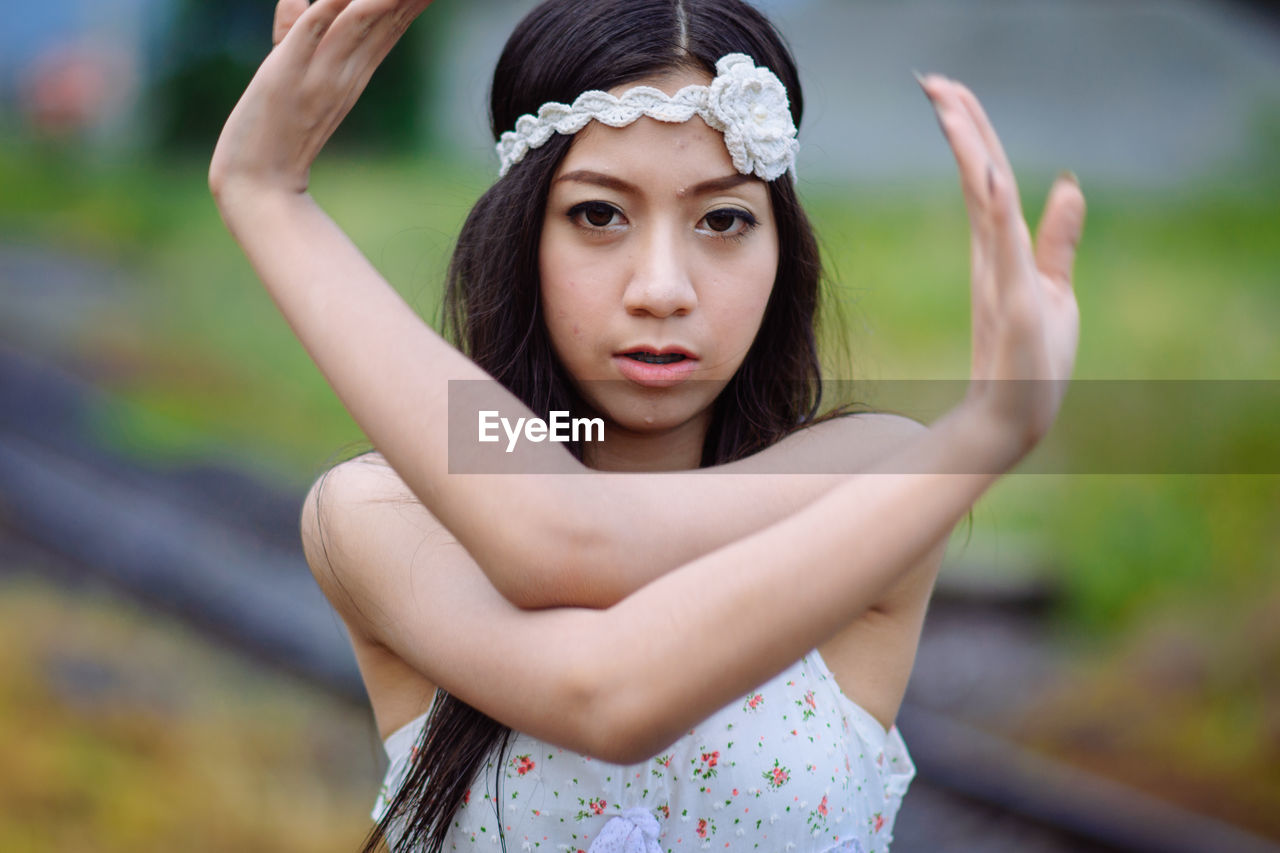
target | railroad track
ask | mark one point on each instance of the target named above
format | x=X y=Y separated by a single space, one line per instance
x=219 y=549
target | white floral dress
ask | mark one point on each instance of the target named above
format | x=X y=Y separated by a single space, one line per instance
x=793 y=766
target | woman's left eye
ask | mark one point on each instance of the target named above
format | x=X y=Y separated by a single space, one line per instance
x=596 y=214
x=722 y=222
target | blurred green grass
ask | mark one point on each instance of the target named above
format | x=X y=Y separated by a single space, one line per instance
x=1173 y=284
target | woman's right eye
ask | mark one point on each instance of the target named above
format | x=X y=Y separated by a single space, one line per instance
x=595 y=214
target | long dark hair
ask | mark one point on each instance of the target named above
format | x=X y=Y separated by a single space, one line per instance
x=492 y=308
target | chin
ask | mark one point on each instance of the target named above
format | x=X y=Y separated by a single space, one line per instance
x=652 y=410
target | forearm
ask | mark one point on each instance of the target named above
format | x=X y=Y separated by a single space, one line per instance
x=391 y=371
x=638 y=527
x=751 y=608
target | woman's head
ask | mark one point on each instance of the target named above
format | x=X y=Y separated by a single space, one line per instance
x=518 y=258
x=653 y=249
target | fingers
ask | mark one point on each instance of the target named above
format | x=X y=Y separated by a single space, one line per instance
x=983 y=125
x=972 y=156
x=287 y=14
x=368 y=29
x=1060 y=230
x=1001 y=239
x=310 y=27
x=343 y=41
x=1011 y=254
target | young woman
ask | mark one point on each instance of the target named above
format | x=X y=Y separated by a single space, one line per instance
x=687 y=647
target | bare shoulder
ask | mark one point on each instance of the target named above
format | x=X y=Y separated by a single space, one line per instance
x=353 y=510
x=350 y=506
x=361 y=478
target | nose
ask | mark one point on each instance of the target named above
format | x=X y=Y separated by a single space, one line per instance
x=660 y=282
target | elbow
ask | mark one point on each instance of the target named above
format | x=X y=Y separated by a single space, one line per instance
x=536 y=584
x=215 y=182
x=621 y=722
x=218 y=181
x=564 y=572
x=631 y=747
x=535 y=590
x=630 y=736
x=585 y=548
x=564 y=550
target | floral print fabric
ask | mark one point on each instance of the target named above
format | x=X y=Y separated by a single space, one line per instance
x=793 y=767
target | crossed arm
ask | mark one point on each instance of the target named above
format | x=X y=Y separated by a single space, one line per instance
x=622 y=682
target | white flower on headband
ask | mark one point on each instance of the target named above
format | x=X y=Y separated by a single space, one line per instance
x=747 y=104
x=753 y=111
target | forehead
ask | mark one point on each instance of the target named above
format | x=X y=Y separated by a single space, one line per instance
x=655 y=154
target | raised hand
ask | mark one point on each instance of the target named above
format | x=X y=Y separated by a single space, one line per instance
x=1026 y=322
x=323 y=58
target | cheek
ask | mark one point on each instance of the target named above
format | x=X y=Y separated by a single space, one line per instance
x=753 y=282
x=565 y=302
x=576 y=287
x=571 y=310
x=739 y=309
x=556 y=284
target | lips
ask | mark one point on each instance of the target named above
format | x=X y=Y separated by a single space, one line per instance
x=650 y=358
x=656 y=367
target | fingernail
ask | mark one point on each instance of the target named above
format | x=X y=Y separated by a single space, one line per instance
x=920 y=79
x=1068 y=175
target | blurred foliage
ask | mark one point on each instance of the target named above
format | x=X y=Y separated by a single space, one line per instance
x=214 y=50
x=121 y=731
x=1187 y=706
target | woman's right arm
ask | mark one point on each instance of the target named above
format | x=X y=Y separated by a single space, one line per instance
x=624 y=682
x=394 y=374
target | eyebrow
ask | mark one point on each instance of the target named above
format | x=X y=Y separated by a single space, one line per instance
x=586 y=176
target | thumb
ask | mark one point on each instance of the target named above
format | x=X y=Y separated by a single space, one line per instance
x=1060 y=229
x=287 y=14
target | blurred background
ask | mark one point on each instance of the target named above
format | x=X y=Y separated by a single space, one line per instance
x=1101 y=667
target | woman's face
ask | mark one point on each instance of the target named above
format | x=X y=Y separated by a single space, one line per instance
x=657 y=259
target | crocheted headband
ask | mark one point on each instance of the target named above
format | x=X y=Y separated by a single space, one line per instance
x=747 y=104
